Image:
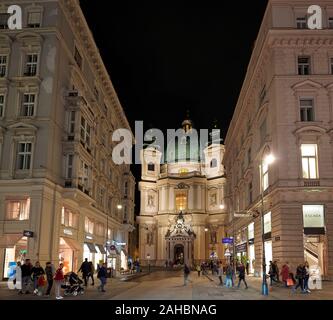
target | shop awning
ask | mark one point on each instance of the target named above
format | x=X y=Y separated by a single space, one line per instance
x=72 y=243
x=10 y=240
x=101 y=248
x=91 y=247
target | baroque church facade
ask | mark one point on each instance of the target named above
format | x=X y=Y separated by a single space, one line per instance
x=182 y=212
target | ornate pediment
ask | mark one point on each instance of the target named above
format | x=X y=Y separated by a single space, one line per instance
x=306 y=85
x=180 y=228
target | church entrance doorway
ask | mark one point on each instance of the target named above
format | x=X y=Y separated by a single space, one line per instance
x=179 y=254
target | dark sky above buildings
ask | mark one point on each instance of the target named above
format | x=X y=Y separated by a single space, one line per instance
x=165 y=57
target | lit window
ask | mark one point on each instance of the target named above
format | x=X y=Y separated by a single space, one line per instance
x=307 y=110
x=3 y=66
x=268 y=223
x=24 y=155
x=2 y=105
x=18 y=210
x=181 y=201
x=34 y=19
x=265 y=180
x=304 y=65
x=68 y=218
x=31 y=65
x=28 y=105
x=89 y=226
x=183 y=171
x=301 y=23
x=251 y=231
x=309 y=161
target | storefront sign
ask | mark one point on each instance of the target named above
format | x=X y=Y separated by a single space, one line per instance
x=89 y=237
x=241 y=248
x=313 y=216
x=120 y=243
x=68 y=232
x=227 y=240
x=28 y=234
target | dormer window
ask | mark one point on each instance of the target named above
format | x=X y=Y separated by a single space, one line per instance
x=34 y=19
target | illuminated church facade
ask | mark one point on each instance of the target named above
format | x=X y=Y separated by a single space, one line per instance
x=182 y=210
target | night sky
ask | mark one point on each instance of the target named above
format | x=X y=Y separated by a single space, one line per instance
x=168 y=57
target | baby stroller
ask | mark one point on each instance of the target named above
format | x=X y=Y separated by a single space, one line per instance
x=72 y=285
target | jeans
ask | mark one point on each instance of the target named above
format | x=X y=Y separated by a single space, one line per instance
x=221 y=280
x=35 y=283
x=26 y=282
x=103 y=283
x=272 y=277
x=85 y=278
x=49 y=286
x=300 y=284
x=228 y=282
x=306 y=283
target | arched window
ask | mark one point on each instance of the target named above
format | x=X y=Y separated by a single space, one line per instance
x=213 y=163
x=151 y=167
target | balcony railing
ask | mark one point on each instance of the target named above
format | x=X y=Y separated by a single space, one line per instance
x=311 y=183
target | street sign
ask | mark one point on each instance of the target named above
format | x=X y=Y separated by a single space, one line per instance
x=28 y=234
x=227 y=240
x=243 y=215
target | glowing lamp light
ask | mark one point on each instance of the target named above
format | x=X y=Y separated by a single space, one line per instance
x=269 y=159
x=221 y=206
x=119 y=206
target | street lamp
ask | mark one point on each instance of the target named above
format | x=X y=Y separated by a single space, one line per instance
x=267 y=160
x=119 y=206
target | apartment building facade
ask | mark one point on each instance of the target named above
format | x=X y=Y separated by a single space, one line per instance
x=61 y=196
x=285 y=110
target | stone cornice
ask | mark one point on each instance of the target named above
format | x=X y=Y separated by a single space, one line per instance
x=81 y=29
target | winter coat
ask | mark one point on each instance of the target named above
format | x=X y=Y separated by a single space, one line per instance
x=59 y=275
x=85 y=267
x=102 y=272
x=37 y=271
x=26 y=270
x=241 y=271
x=49 y=271
x=285 y=273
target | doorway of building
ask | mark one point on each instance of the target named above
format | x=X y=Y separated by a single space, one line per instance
x=179 y=254
x=66 y=255
x=314 y=252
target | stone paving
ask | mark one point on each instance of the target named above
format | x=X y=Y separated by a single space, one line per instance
x=170 y=286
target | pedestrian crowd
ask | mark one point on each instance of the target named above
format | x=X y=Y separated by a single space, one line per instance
x=34 y=279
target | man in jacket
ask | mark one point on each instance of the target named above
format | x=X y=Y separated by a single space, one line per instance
x=220 y=274
x=85 y=269
x=49 y=271
x=26 y=269
x=241 y=270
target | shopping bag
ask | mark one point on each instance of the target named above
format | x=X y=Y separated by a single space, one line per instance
x=290 y=282
x=41 y=281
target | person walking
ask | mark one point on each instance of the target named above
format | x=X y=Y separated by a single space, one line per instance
x=36 y=272
x=58 y=280
x=272 y=272
x=26 y=276
x=220 y=274
x=306 y=277
x=229 y=273
x=299 y=278
x=187 y=272
x=85 y=269
x=198 y=269
x=102 y=275
x=277 y=271
x=285 y=274
x=49 y=272
x=91 y=273
x=18 y=276
x=241 y=275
